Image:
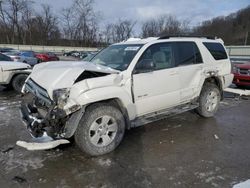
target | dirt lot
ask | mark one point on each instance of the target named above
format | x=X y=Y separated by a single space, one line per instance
x=182 y=151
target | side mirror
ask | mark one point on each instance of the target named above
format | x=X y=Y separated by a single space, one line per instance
x=145 y=65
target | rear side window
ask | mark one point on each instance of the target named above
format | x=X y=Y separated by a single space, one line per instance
x=187 y=53
x=216 y=50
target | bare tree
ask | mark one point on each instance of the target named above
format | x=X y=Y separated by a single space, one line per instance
x=119 y=31
x=26 y=23
x=80 y=22
x=164 y=25
x=11 y=12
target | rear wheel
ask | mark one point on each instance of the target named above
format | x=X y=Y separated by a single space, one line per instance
x=18 y=82
x=100 y=130
x=209 y=100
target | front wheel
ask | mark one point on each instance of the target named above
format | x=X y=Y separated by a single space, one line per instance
x=18 y=82
x=100 y=130
x=209 y=100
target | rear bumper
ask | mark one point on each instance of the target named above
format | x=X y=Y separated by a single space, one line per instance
x=243 y=80
x=227 y=80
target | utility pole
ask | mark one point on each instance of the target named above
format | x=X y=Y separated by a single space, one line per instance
x=246 y=37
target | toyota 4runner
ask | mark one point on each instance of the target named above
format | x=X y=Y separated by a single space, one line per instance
x=124 y=86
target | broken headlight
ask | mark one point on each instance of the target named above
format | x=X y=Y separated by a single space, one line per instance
x=60 y=97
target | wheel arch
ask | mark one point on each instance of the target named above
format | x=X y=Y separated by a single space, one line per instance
x=74 y=119
x=214 y=80
x=15 y=75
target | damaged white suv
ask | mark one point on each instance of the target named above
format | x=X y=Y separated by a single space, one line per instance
x=125 y=85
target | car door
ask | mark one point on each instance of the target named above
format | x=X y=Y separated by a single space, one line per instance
x=188 y=59
x=25 y=57
x=33 y=58
x=158 y=88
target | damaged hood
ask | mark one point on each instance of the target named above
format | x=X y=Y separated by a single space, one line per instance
x=63 y=74
x=11 y=65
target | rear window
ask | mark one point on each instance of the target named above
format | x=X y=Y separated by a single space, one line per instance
x=216 y=50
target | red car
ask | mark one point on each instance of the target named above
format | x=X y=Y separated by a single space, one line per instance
x=48 y=56
x=241 y=74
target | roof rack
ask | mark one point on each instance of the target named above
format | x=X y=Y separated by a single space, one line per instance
x=193 y=36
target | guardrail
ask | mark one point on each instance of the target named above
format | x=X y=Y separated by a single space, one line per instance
x=238 y=50
x=56 y=49
x=232 y=50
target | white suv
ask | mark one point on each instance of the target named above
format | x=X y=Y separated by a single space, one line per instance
x=13 y=74
x=125 y=85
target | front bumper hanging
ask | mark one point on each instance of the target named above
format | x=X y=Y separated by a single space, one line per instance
x=37 y=125
x=33 y=123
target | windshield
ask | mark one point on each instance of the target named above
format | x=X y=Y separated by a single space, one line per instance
x=117 y=56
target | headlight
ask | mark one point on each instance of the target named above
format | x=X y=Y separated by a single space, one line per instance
x=60 y=97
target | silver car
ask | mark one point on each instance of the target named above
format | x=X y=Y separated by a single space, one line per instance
x=23 y=56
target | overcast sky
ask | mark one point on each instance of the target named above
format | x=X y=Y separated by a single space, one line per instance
x=193 y=10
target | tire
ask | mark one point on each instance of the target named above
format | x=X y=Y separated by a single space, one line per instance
x=101 y=129
x=8 y=87
x=18 y=81
x=209 y=100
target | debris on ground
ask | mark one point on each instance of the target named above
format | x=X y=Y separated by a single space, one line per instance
x=216 y=137
x=177 y=126
x=41 y=146
x=165 y=129
x=8 y=149
x=19 y=179
x=238 y=91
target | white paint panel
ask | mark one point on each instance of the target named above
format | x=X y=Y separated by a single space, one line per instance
x=156 y=90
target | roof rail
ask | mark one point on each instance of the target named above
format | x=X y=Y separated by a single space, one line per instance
x=193 y=36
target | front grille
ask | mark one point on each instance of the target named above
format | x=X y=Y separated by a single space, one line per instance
x=38 y=91
x=244 y=71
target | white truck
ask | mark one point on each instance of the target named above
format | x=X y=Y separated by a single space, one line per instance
x=13 y=74
x=125 y=85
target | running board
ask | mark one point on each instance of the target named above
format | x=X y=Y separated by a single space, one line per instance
x=162 y=114
x=41 y=146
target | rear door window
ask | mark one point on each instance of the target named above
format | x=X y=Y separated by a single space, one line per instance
x=187 y=53
x=216 y=49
